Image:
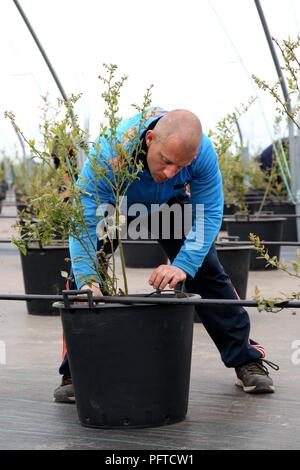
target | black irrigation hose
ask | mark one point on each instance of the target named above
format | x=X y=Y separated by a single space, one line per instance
x=147 y=300
x=254 y=217
x=232 y=217
x=229 y=243
x=264 y=242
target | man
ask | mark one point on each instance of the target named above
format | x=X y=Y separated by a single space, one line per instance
x=175 y=153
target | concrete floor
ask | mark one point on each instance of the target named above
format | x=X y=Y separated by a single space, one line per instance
x=220 y=416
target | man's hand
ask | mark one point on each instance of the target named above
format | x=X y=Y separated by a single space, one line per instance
x=166 y=274
x=95 y=291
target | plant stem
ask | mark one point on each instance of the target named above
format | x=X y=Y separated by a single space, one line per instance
x=121 y=245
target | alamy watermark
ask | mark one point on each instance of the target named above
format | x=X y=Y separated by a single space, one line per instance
x=295 y=358
x=154 y=221
x=2 y=353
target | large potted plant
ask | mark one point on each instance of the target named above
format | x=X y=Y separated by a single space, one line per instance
x=45 y=209
x=238 y=179
x=275 y=200
x=257 y=215
x=43 y=241
x=142 y=350
x=289 y=51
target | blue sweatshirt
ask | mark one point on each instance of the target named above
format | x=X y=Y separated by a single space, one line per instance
x=203 y=176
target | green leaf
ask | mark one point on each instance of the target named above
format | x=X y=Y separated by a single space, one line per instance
x=295 y=266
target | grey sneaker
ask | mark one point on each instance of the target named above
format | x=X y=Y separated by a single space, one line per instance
x=253 y=377
x=65 y=392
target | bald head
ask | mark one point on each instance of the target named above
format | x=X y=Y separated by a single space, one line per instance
x=173 y=144
x=182 y=125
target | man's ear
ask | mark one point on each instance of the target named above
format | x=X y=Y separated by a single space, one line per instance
x=149 y=137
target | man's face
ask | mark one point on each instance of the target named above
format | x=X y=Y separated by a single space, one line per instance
x=165 y=159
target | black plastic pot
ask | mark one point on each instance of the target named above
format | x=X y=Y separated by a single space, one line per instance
x=4 y=186
x=42 y=275
x=254 y=194
x=130 y=364
x=254 y=199
x=236 y=262
x=229 y=209
x=279 y=209
x=267 y=230
x=143 y=254
x=254 y=205
x=21 y=207
x=290 y=226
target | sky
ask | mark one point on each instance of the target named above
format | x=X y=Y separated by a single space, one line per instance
x=198 y=54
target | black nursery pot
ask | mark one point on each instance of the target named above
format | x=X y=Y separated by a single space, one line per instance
x=267 y=230
x=21 y=207
x=229 y=209
x=279 y=209
x=130 y=364
x=236 y=262
x=143 y=254
x=42 y=275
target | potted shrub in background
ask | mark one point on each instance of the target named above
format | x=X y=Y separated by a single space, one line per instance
x=43 y=241
x=235 y=259
x=44 y=220
x=231 y=164
x=238 y=179
x=275 y=199
x=289 y=50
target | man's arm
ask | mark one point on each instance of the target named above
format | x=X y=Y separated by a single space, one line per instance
x=206 y=190
x=94 y=190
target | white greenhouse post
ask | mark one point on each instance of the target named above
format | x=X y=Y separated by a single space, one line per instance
x=245 y=155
